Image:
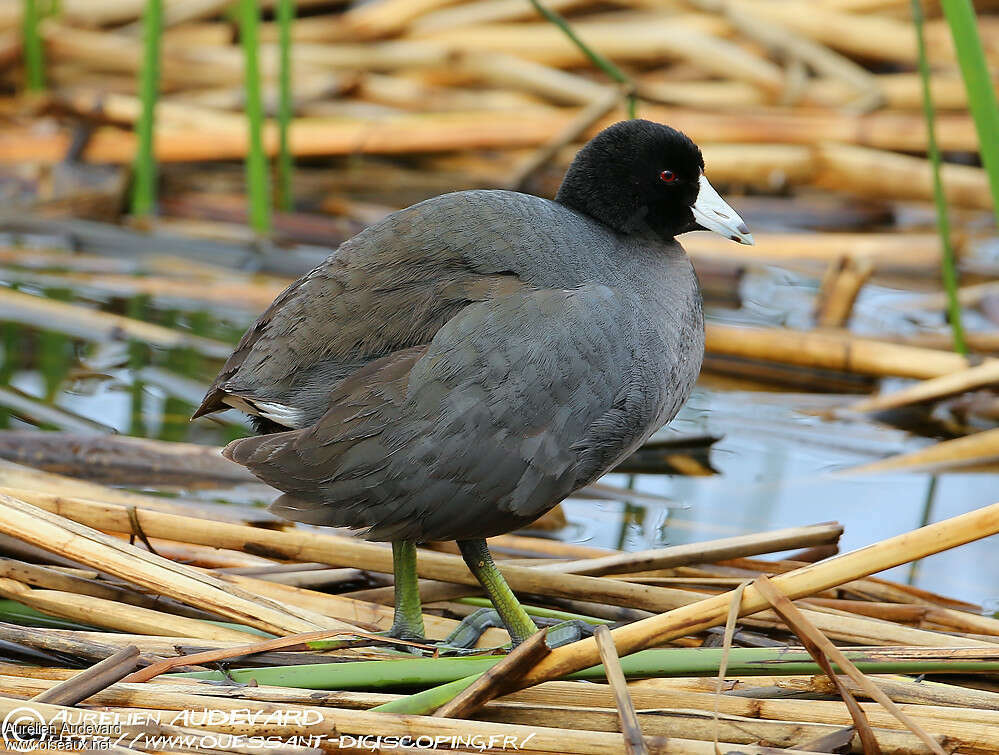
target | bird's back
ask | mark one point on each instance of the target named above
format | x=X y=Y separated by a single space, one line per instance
x=392 y=286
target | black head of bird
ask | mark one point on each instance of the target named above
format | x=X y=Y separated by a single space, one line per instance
x=640 y=177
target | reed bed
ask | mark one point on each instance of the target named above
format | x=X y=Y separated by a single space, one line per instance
x=202 y=626
x=469 y=70
x=217 y=659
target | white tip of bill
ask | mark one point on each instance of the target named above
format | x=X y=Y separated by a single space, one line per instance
x=713 y=213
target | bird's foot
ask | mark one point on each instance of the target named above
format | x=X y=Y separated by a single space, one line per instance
x=398 y=638
x=463 y=639
x=404 y=638
x=460 y=642
x=566 y=632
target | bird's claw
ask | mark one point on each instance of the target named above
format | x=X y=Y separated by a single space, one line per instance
x=397 y=638
x=566 y=632
x=463 y=639
x=472 y=626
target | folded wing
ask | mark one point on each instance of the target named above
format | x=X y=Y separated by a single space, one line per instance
x=515 y=402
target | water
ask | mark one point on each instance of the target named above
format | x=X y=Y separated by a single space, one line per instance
x=779 y=464
x=780 y=468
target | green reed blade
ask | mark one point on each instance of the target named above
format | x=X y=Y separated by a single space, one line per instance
x=978 y=82
x=948 y=263
x=34 y=54
x=657 y=662
x=595 y=57
x=426 y=702
x=256 y=158
x=285 y=162
x=144 y=177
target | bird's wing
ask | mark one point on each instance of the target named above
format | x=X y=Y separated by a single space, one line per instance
x=390 y=287
x=515 y=403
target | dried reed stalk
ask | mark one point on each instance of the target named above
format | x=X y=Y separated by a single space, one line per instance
x=712 y=550
x=839 y=290
x=710 y=612
x=589 y=706
x=820 y=648
x=343 y=551
x=447 y=132
x=979 y=376
x=31 y=484
x=336 y=722
x=630 y=725
x=845 y=167
x=100 y=676
x=948 y=454
x=110 y=614
x=93 y=325
x=886 y=250
x=830 y=351
x=87 y=546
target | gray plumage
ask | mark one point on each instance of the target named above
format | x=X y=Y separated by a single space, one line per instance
x=460 y=367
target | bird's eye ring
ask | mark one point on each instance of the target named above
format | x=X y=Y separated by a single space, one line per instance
x=667 y=176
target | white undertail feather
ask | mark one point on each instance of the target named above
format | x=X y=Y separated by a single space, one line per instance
x=286 y=416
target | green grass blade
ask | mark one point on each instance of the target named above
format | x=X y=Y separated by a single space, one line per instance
x=144 y=182
x=658 y=662
x=34 y=53
x=405 y=672
x=426 y=702
x=595 y=57
x=948 y=262
x=963 y=24
x=285 y=162
x=256 y=159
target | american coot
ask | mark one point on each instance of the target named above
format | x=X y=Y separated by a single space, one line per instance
x=460 y=367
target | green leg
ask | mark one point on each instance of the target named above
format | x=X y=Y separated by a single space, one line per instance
x=407 y=624
x=515 y=618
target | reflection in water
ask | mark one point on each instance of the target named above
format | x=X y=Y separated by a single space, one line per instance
x=781 y=469
x=930 y=499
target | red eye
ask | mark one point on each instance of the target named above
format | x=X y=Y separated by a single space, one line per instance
x=667 y=176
